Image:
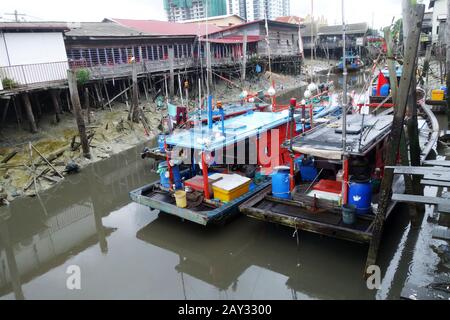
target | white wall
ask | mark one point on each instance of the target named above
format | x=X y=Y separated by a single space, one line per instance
x=440 y=9
x=3 y=53
x=33 y=57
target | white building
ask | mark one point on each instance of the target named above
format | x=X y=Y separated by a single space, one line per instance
x=176 y=13
x=257 y=9
x=439 y=16
x=32 y=53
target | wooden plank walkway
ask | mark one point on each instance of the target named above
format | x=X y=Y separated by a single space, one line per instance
x=436 y=183
x=419 y=199
x=438 y=163
x=441 y=234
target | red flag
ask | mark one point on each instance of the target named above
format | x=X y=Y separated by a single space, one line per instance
x=381 y=82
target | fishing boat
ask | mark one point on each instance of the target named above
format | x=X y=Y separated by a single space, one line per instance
x=197 y=181
x=315 y=203
x=353 y=63
x=380 y=91
x=331 y=186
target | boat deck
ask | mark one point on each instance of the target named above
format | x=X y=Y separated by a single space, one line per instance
x=202 y=213
x=298 y=213
x=325 y=141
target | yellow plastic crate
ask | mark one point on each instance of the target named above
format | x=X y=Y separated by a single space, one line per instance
x=231 y=188
x=437 y=95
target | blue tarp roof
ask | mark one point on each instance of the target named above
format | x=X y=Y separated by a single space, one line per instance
x=236 y=129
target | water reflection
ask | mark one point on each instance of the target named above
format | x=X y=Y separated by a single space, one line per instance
x=38 y=234
x=319 y=268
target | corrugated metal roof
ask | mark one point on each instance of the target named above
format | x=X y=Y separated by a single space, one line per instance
x=355 y=28
x=101 y=29
x=261 y=21
x=155 y=27
x=33 y=26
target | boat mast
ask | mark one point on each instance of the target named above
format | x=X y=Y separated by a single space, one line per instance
x=312 y=39
x=344 y=111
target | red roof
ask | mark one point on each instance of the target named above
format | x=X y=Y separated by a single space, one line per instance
x=290 y=19
x=234 y=39
x=164 y=28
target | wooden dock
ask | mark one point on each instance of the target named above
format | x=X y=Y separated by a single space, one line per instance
x=435 y=173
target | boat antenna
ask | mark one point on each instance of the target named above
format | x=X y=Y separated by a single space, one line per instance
x=268 y=44
x=344 y=108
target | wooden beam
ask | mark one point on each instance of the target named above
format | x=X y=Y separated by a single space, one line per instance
x=439 y=163
x=436 y=183
x=411 y=50
x=418 y=170
x=418 y=199
x=441 y=234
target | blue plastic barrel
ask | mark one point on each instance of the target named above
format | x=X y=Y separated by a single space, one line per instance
x=281 y=186
x=161 y=140
x=384 y=91
x=445 y=89
x=164 y=176
x=360 y=195
x=163 y=170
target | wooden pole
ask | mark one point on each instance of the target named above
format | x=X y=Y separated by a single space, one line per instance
x=107 y=94
x=56 y=107
x=134 y=114
x=412 y=124
x=447 y=59
x=29 y=111
x=73 y=88
x=18 y=110
x=35 y=101
x=390 y=62
x=396 y=132
x=244 y=58
x=69 y=107
x=5 y=111
x=172 y=73
x=99 y=97
x=87 y=104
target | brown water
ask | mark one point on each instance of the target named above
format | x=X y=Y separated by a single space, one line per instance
x=125 y=251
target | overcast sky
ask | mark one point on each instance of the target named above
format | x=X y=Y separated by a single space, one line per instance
x=380 y=12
